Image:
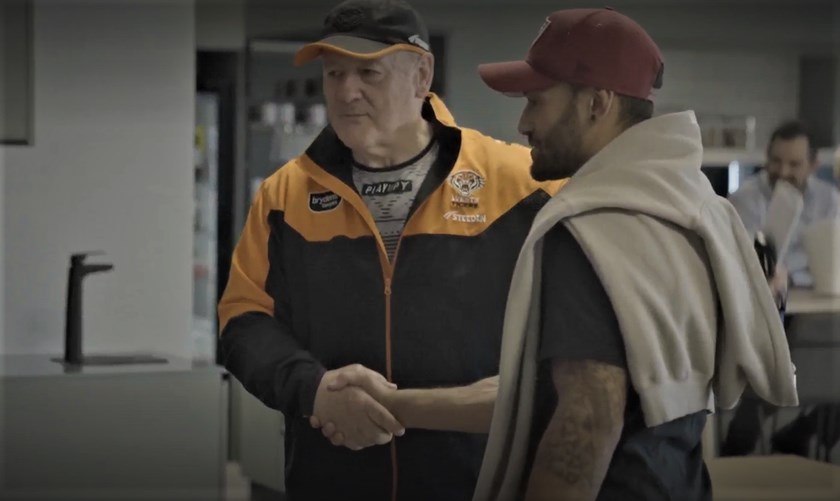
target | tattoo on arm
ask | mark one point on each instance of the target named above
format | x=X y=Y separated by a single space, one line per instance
x=579 y=441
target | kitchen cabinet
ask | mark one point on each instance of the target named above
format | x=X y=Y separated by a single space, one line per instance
x=153 y=431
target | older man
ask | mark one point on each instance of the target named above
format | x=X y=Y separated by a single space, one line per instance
x=382 y=255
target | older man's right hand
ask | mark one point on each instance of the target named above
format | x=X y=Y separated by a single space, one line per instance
x=352 y=417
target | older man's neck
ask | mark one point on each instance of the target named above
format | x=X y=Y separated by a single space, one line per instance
x=406 y=143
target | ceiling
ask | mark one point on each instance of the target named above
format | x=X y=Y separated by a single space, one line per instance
x=557 y=4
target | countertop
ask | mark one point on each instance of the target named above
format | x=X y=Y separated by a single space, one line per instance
x=20 y=366
x=802 y=301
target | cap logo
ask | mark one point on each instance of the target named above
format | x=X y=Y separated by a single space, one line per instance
x=544 y=27
x=416 y=40
x=348 y=20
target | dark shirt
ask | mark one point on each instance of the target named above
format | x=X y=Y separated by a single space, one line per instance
x=578 y=322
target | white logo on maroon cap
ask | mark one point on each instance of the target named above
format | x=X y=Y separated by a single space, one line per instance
x=542 y=30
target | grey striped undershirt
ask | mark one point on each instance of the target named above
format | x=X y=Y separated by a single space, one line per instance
x=390 y=192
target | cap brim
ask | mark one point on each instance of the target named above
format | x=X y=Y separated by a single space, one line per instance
x=360 y=48
x=514 y=77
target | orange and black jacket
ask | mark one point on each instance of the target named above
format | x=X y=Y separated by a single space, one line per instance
x=311 y=289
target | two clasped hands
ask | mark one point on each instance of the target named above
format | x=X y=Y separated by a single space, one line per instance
x=357 y=407
x=354 y=408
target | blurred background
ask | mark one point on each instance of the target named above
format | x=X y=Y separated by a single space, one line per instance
x=141 y=128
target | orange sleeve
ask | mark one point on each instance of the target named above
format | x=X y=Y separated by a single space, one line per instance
x=245 y=291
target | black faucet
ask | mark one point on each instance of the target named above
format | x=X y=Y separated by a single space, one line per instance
x=73 y=322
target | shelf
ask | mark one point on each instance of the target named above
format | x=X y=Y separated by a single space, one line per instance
x=258 y=127
x=722 y=157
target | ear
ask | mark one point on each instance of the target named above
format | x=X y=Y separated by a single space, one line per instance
x=601 y=104
x=813 y=161
x=837 y=164
x=425 y=74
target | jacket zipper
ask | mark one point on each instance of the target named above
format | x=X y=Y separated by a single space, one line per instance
x=389 y=275
x=388 y=272
x=388 y=268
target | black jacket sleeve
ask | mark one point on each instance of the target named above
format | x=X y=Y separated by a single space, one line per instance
x=257 y=344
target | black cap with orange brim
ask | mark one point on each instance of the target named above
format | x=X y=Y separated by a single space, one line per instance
x=369 y=29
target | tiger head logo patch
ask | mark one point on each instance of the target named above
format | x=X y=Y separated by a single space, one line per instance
x=466 y=182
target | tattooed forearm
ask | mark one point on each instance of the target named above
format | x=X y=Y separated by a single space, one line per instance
x=569 y=446
x=577 y=446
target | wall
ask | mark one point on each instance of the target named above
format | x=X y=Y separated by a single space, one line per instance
x=220 y=24
x=111 y=170
x=711 y=47
x=762 y=84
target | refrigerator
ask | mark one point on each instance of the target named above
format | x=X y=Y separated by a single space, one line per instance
x=205 y=270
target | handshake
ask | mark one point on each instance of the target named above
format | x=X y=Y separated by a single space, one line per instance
x=354 y=408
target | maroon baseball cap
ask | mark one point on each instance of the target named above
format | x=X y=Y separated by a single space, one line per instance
x=598 y=48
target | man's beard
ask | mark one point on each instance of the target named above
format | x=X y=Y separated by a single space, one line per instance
x=560 y=154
